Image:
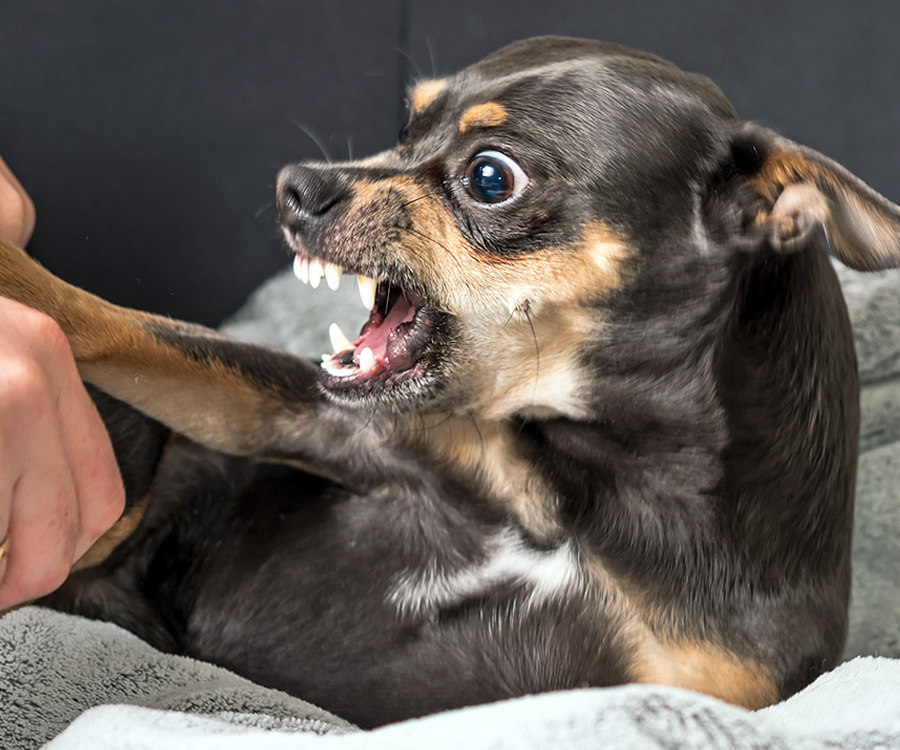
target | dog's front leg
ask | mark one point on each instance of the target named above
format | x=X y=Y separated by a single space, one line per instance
x=232 y=396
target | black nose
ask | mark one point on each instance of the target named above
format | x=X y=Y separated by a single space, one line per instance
x=305 y=193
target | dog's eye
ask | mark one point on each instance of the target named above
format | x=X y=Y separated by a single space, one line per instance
x=404 y=133
x=492 y=177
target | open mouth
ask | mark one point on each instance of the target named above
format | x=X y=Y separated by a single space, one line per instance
x=394 y=343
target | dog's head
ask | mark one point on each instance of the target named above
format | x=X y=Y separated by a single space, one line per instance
x=557 y=206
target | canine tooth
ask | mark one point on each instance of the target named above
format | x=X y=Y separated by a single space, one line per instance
x=366 y=359
x=333 y=275
x=367 y=289
x=339 y=340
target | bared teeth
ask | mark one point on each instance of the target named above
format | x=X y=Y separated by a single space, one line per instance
x=339 y=340
x=316 y=271
x=336 y=369
x=367 y=360
x=311 y=271
x=367 y=288
x=333 y=275
x=301 y=268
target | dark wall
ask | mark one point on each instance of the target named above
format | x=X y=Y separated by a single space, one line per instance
x=149 y=132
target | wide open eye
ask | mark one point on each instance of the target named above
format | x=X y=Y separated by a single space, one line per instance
x=492 y=177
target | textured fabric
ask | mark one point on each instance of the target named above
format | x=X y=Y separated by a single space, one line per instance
x=54 y=666
x=855 y=706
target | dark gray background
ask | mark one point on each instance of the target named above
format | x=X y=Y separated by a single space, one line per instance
x=149 y=131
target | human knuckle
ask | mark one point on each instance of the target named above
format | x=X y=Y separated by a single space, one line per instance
x=23 y=382
x=47 y=332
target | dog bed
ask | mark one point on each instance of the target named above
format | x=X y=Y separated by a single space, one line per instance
x=77 y=684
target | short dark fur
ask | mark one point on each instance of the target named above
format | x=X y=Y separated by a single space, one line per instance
x=697 y=481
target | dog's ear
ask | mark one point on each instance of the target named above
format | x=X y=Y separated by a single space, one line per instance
x=801 y=189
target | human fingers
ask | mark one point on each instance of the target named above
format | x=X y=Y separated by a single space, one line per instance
x=38 y=504
x=17 y=214
x=92 y=464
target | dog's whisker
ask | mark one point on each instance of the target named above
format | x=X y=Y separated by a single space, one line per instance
x=419 y=198
x=432 y=56
x=417 y=72
x=309 y=133
x=262 y=209
x=526 y=309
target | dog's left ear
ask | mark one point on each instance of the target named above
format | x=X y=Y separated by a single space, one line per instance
x=802 y=189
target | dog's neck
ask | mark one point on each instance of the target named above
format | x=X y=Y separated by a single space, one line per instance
x=720 y=444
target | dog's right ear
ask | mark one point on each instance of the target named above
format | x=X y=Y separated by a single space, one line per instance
x=801 y=189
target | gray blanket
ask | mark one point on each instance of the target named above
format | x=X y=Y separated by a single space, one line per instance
x=103 y=688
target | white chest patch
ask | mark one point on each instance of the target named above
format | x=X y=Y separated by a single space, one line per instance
x=510 y=561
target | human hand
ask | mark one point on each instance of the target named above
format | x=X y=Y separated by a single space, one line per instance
x=16 y=208
x=60 y=487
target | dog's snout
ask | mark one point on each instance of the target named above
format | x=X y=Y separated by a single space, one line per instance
x=305 y=193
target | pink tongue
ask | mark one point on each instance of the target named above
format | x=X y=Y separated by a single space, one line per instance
x=376 y=339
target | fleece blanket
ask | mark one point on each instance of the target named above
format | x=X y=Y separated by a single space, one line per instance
x=74 y=683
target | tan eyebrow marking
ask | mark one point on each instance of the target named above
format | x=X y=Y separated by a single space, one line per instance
x=424 y=94
x=487 y=115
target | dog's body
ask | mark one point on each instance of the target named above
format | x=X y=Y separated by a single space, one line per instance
x=600 y=427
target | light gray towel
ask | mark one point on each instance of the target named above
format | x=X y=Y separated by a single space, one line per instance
x=855 y=707
x=54 y=666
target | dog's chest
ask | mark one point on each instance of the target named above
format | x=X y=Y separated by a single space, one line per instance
x=506 y=562
x=367 y=603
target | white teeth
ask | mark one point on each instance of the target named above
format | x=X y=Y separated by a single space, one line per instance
x=339 y=341
x=312 y=270
x=301 y=268
x=333 y=275
x=334 y=368
x=367 y=289
x=366 y=360
x=316 y=272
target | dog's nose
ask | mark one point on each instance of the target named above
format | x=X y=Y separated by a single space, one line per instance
x=305 y=193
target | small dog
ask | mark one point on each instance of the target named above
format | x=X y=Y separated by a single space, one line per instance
x=600 y=426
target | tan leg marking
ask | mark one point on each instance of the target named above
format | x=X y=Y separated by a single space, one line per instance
x=203 y=398
x=662 y=656
x=121 y=530
x=705 y=668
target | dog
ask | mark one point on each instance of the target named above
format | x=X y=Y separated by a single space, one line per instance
x=600 y=426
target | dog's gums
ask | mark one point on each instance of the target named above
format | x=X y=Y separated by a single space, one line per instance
x=391 y=343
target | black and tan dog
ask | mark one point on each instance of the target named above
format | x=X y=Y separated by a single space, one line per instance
x=600 y=426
